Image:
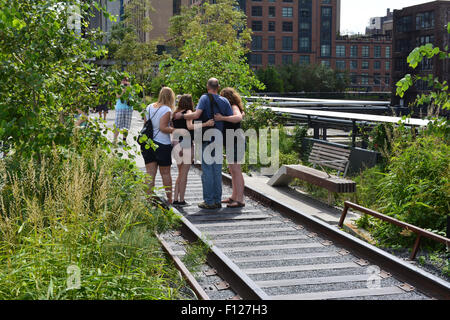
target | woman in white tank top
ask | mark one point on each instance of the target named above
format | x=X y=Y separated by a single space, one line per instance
x=160 y=115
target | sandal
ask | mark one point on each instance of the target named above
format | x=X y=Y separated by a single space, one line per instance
x=229 y=200
x=236 y=204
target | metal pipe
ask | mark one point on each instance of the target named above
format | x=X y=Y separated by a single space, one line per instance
x=419 y=231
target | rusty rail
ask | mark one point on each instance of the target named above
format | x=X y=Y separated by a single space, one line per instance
x=195 y=286
x=420 y=232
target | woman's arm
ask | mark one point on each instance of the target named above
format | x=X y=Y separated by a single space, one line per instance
x=164 y=124
x=190 y=123
x=235 y=118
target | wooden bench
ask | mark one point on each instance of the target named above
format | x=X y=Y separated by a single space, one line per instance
x=324 y=156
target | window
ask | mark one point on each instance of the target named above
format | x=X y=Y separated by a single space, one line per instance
x=271 y=43
x=387 y=79
x=256 y=59
x=354 y=51
x=287 y=59
x=327 y=12
x=404 y=24
x=304 y=44
x=377 y=65
x=325 y=63
x=425 y=20
x=340 y=65
x=340 y=51
x=387 y=66
x=377 y=52
x=364 y=78
x=376 y=78
x=272 y=12
x=257 y=11
x=365 y=51
x=271 y=59
x=304 y=60
x=272 y=26
x=257 y=43
x=287 y=12
x=365 y=65
x=354 y=78
x=325 y=50
x=287 y=26
x=257 y=25
x=287 y=43
x=354 y=64
x=388 y=52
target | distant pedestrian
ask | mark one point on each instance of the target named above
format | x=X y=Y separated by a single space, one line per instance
x=184 y=152
x=160 y=114
x=237 y=155
x=210 y=104
x=103 y=107
x=124 y=113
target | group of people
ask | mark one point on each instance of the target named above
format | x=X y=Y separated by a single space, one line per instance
x=218 y=109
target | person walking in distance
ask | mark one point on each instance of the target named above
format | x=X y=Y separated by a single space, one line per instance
x=124 y=113
x=160 y=114
x=235 y=155
x=184 y=151
x=208 y=105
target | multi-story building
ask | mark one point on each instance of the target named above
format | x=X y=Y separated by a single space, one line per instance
x=415 y=26
x=367 y=59
x=162 y=11
x=288 y=31
x=381 y=25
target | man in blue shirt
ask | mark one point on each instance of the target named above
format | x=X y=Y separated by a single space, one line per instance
x=211 y=173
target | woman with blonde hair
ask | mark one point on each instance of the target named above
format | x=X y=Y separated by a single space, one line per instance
x=234 y=163
x=160 y=114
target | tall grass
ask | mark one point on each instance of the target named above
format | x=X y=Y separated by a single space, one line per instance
x=87 y=211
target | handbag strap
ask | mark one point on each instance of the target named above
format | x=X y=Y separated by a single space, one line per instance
x=159 y=130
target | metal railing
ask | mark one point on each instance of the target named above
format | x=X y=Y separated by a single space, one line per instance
x=420 y=232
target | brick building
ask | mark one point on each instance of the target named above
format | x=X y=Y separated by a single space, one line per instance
x=367 y=59
x=288 y=31
x=415 y=26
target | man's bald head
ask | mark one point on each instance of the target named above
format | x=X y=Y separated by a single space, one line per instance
x=213 y=85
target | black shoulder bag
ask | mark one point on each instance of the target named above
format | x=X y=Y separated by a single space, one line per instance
x=147 y=130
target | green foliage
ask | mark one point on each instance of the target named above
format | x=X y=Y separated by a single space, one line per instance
x=214 y=45
x=88 y=211
x=45 y=74
x=438 y=97
x=302 y=78
x=127 y=43
x=415 y=188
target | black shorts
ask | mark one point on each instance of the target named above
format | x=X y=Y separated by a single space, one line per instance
x=162 y=155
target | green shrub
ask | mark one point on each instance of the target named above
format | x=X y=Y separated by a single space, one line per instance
x=416 y=188
x=89 y=211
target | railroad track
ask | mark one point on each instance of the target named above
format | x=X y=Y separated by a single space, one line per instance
x=269 y=251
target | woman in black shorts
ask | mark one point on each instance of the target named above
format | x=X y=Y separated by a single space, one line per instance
x=160 y=113
x=184 y=152
x=234 y=164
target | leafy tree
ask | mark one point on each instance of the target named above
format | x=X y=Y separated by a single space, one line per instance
x=303 y=78
x=128 y=43
x=214 y=44
x=271 y=78
x=221 y=22
x=45 y=73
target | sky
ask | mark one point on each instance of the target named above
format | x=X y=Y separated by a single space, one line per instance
x=356 y=14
